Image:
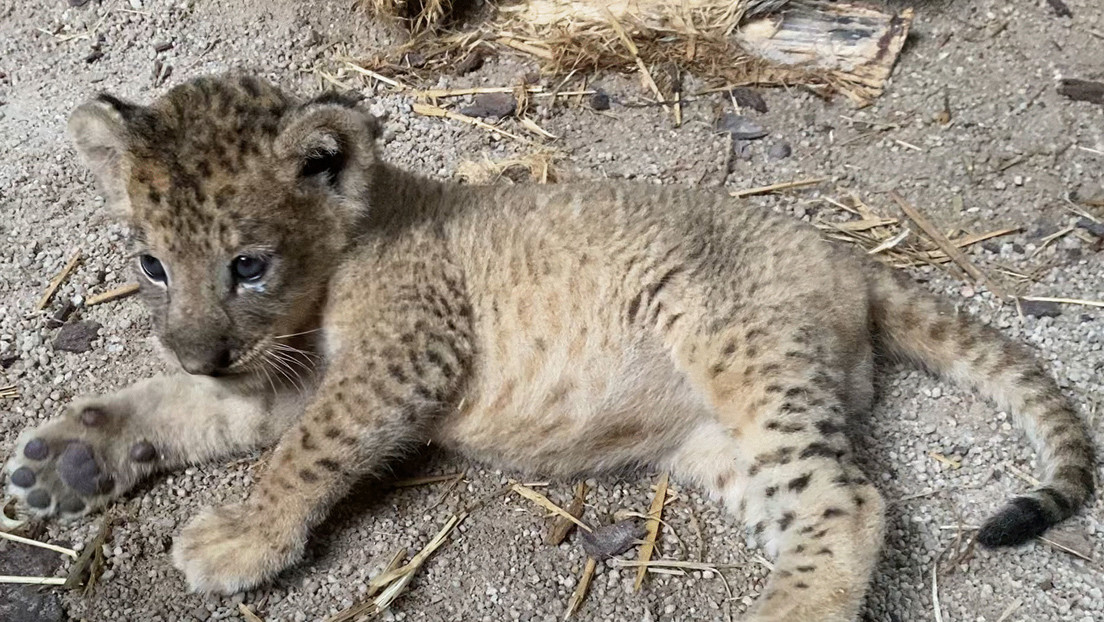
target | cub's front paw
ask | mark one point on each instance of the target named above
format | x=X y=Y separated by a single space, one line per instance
x=235 y=548
x=79 y=461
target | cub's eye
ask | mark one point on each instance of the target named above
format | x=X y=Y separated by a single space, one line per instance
x=152 y=267
x=246 y=268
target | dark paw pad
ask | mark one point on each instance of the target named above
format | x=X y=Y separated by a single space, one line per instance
x=72 y=505
x=39 y=499
x=142 y=451
x=78 y=469
x=37 y=449
x=23 y=477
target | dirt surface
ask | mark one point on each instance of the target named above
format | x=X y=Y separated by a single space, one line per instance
x=1012 y=153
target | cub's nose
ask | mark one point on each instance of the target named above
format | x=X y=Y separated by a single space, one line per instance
x=213 y=361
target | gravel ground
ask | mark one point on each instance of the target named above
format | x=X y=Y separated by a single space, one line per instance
x=1013 y=151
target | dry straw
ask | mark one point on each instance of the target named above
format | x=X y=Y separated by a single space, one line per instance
x=730 y=42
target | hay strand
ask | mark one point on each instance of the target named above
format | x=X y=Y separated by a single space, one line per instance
x=42 y=545
x=544 y=502
x=947 y=246
x=112 y=294
x=582 y=588
x=56 y=282
x=654 y=515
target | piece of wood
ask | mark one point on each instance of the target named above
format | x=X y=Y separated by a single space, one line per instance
x=856 y=44
x=561 y=527
x=947 y=246
x=654 y=514
x=56 y=282
x=112 y=294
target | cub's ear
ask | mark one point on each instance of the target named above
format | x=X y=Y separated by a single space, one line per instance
x=330 y=142
x=98 y=130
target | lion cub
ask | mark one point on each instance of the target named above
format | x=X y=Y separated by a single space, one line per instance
x=346 y=311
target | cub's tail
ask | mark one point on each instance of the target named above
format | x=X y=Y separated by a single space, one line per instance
x=915 y=325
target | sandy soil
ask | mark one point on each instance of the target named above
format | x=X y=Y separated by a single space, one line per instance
x=1011 y=155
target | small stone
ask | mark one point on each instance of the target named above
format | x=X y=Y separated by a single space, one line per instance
x=162 y=46
x=491 y=106
x=741 y=149
x=780 y=151
x=600 y=101
x=740 y=127
x=1040 y=308
x=747 y=97
x=470 y=63
x=77 y=336
x=61 y=315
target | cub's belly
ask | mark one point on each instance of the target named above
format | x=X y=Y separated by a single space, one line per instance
x=562 y=419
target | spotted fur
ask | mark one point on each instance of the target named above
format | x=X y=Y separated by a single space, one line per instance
x=560 y=329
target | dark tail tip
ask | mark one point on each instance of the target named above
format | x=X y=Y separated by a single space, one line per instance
x=1018 y=522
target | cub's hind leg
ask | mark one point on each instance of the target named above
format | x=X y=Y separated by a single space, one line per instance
x=776 y=453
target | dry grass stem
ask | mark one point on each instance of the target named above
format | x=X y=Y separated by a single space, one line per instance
x=112 y=294
x=375 y=76
x=42 y=545
x=32 y=580
x=1065 y=548
x=581 y=588
x=1067 y=301
x=786 y=185
x=671 y=563
x=1023 y=475
x=539 y=166
x=947 y=246
x=944 y=460
x=56 y=282
x=937 y=610
x=545 y=503
x=430 y=110
x=9 y=391
x=654 y=515
x=1008 y=611
x=424 y=481
x=369 y=606
x=248 y=614
x=479 y=90
x=562 y=527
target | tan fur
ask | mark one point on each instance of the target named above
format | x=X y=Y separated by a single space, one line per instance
x=555 y=329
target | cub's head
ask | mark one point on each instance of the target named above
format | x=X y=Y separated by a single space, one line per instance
x=241 y=201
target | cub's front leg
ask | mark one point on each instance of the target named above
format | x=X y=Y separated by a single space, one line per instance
x=102 y=446
x=399 y=351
